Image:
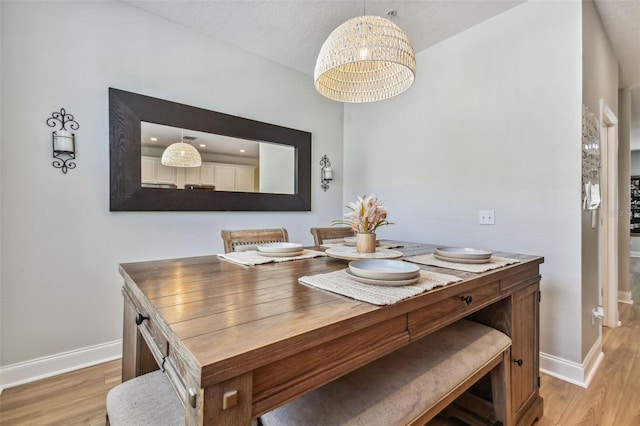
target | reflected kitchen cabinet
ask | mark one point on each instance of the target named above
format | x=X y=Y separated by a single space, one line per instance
x=222 y=177
x=203 y=175
x=154 y=173
x=234 y=178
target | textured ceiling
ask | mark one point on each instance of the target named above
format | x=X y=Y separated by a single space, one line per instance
x=291 y=32
x=621 y=19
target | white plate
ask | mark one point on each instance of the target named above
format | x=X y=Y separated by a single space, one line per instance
x=463 y=253
x=350 y=253
x=279 y=247
x=383 y=269
x=288 y=254
x=457 y=260
x=394 y=283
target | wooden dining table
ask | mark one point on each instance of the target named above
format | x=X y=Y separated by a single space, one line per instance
x=237 y=341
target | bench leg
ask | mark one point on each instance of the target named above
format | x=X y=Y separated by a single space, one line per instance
x=501 y=390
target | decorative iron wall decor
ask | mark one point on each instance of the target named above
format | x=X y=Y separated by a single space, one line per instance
x=63 y=140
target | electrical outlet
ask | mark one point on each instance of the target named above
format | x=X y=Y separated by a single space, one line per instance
x=486 y=217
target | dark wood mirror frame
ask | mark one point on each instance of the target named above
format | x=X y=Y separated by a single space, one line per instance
x=127 y=110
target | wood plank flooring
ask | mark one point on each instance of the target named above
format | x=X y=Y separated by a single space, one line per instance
x=70 y=399
x=612 y=399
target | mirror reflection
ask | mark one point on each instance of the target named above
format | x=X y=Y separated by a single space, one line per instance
x=228 y=163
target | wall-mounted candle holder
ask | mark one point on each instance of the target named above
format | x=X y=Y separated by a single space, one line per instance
x=63 y=140
x=326 y=173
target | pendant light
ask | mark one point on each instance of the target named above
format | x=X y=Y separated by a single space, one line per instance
x=181 y=154
x=366 y=59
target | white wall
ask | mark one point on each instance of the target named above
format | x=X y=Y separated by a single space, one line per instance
x=60 y=244
x=599 y=81
x=493 y=121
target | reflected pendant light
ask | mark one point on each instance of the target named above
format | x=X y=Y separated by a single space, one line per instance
x=365 y=59
x=181 y=154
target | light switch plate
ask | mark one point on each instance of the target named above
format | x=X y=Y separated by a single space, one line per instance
x=486 y=217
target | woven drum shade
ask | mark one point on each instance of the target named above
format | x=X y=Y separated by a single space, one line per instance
x=181 y=154
x=365 y=59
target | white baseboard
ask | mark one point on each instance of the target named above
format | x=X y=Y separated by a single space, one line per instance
x=578 y=374
x=634 y=253
x=625 y=297
x=40 y=368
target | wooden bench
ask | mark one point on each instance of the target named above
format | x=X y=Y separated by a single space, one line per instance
x=412 y=385
x=407 y=387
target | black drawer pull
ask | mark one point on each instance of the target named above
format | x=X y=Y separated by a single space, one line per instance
x=467 y=299
x=518 y=361
x=140 y=318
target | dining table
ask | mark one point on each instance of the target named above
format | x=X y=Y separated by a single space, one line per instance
x=238 y=340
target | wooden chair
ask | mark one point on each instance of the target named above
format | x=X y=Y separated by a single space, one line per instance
x=331 y=234
x=248 y=239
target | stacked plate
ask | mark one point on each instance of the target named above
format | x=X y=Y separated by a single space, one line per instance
x=384 y=272
x=462 y=255
x=280 y=249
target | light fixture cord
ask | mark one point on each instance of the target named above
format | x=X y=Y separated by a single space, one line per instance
x=364 y=8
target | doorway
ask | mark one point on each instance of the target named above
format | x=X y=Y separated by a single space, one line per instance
x=608 y=245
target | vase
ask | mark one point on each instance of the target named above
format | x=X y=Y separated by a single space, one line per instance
x=365 y=243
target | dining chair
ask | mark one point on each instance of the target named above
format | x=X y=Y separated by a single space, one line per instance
x=248 y=239
x=331 y=234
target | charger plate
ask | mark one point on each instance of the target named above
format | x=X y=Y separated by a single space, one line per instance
x=285 y=254
x=350 y=253
x=463 y=253
x=279 y=247
x=393 y=283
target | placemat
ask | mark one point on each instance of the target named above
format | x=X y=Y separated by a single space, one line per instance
x=494 y=263
x=252 y=257
x=340 y=282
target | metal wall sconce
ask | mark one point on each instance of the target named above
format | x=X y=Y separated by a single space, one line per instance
x=64 y=142
x=326 y=173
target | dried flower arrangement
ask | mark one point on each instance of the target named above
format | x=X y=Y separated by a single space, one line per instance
x=367 y=214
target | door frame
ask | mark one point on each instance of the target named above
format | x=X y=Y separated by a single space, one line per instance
x=608 y=245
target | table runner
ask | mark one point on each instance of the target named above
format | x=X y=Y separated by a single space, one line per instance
x=252 y=257
x=430 y=259
x=340 y=282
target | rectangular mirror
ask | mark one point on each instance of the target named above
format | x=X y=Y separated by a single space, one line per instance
x=246 y=164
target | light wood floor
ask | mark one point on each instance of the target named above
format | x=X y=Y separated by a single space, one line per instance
x=612 y=399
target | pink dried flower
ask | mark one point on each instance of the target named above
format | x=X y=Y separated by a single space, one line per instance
x=367 y=214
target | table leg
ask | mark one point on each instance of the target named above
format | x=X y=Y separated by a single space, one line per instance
x=137 y=359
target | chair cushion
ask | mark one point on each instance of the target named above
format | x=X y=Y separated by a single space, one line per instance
x=400 y=386
x=146 y=400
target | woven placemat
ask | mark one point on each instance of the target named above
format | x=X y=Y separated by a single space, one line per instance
x=340 y=282
x=252 y=257
x=430 y=259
